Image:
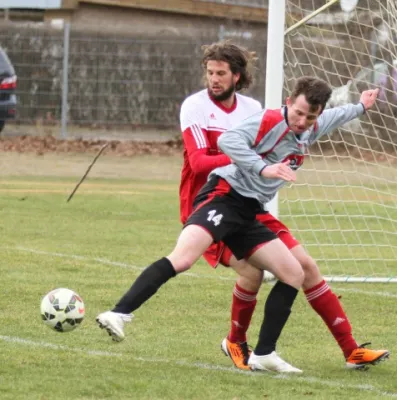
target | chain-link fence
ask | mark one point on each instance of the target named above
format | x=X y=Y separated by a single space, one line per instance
x=70 y=79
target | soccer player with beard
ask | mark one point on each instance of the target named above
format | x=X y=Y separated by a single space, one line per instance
x=223 y=74
x=204 y=116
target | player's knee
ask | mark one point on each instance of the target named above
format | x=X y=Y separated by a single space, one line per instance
x=299 y=276
x=251 y=282
x=295 y=276
x=308 y=263
x=250 y=278
x=310 y=268
x=180 y=263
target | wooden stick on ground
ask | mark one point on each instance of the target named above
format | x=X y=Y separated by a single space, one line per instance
x=88 y=170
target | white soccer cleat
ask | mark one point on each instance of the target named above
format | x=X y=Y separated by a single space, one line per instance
x=271 y=362
x=114 y=323
x=268 y=276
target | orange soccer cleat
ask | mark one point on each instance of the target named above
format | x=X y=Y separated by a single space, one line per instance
x=362 y=358
x=238 y=352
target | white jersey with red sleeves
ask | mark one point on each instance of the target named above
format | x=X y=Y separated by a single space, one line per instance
x=202 y=120
x=265 y=139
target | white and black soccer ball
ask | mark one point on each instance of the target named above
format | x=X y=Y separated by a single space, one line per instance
x=62 y=310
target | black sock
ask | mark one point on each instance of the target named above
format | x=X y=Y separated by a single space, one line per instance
x=277 y=310
x=145 y=286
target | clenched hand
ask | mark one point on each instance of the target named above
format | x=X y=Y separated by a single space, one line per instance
x=368 y=98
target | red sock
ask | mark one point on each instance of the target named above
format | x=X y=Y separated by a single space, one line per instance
x=243 y=307
x=328 y=306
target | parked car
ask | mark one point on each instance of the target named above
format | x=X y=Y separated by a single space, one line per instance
x=8 y=84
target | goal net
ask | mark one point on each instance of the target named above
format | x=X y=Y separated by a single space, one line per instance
x=343 y=206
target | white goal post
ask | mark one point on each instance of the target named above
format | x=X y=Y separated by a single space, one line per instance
x=343 y=207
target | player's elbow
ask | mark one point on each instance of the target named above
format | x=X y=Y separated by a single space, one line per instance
x=198 y=164
x=198 y=168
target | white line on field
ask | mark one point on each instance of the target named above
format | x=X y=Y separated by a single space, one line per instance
x=308 y=379
x=52 y=346
x=109 y=262
x=190 y=274
x=359 y=291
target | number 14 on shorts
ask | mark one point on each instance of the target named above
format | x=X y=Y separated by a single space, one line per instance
x=215 y=218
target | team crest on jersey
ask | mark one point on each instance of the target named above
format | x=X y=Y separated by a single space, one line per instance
x=296 y=161
x=212 y=116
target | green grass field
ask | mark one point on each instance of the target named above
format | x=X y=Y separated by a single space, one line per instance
x=123 y=217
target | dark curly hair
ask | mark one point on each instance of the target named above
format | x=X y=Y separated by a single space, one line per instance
x=316 y=91
x=240 y=60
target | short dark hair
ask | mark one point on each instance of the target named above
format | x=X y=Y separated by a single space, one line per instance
x=316 y=91
x=241 y=61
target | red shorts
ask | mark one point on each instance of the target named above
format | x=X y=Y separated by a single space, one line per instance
x=219 y=253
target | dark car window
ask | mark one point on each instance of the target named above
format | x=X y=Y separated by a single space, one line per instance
x=6 y=68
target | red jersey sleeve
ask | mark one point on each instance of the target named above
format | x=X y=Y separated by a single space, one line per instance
x=197 y=148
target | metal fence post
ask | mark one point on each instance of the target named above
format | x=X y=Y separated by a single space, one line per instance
x=221 y=33
x=65 y=82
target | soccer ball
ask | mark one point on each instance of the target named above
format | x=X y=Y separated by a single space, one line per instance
x=62 y=310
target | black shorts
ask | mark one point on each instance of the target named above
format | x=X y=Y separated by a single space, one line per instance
x=229 y=217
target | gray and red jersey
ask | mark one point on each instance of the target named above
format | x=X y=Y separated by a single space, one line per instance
x=265 y=139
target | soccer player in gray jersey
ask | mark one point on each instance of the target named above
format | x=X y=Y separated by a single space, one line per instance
x=227 y=207
x=274 y=141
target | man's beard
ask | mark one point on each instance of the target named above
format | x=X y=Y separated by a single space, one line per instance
x=225 y=95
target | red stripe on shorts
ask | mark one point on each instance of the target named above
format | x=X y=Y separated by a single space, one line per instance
x=221 y=189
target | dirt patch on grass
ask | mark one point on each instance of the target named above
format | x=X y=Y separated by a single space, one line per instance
x=48 y=144
x=162 y=160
